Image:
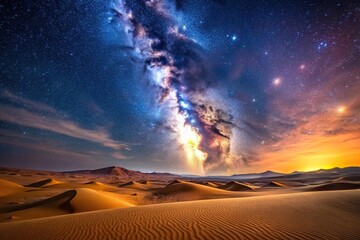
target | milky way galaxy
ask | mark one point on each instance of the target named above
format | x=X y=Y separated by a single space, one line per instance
x=176 y=69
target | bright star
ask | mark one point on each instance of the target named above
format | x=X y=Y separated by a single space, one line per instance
x=341 y=109
x=277 y=81
x=302 y=66
x=184 y=105
x=234 y=38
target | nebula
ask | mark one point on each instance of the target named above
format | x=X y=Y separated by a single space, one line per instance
x=175 y=68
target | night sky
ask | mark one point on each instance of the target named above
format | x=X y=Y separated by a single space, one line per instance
x=183 y=86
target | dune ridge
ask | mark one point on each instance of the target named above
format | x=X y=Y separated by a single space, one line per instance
x=53 y=206
x=289 y=216
x=236 y=186
x=211 y=184
x=135 y=185
x=44 y=183
x=185 y=191
x=95 y=183
x=275 y=184
x=61 y=198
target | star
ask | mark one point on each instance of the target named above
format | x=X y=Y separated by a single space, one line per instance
x=322 y=45
x=341 y=109
x=277 y=81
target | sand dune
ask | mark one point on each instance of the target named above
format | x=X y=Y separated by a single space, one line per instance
x=354 y=178
x=135 y=185
x=336 y=186
x=91 y=200
x=95 y=183
x=72 y=201
x=185 y=191
x=175 y=182
x=275 y=184
x=52 y=183
x=289 y=216
x=212 y=184
x=97 y=186
x=287 y=183
x=52 y=206
x=7 y=187
x=45 y=183
x=236 y=186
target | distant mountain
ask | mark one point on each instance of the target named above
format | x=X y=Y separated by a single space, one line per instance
x=337 y=170
x=333 y=173
x=266 y=174
x=113 y=171
x=121 y=172
x=298 y=174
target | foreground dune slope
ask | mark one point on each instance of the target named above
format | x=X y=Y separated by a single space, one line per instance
x=52 y=206
x=310 y=215
x=7 y=187
x=71 y=201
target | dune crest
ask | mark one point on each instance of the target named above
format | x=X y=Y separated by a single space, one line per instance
x=236 y=186
x=44 y=183
x=275 y=184
x=135 y=185
x=95 y=183
x=354 y=178
x=210 y=184
x=175 y=182
x=53 y=206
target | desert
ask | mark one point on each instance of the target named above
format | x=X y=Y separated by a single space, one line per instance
x=73 y=206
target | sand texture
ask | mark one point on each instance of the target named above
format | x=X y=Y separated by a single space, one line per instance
x=311 y=215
